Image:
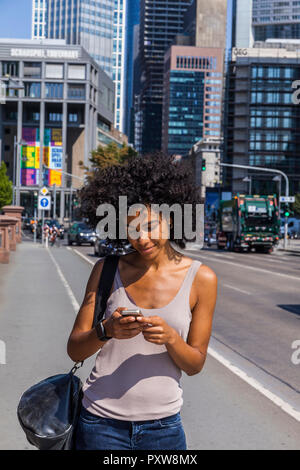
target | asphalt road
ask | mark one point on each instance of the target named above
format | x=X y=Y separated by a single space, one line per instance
x=255 y=323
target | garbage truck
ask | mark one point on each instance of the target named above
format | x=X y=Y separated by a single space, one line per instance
x=249 y=222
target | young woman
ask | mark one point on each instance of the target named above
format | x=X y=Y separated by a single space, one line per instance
x=132 y=398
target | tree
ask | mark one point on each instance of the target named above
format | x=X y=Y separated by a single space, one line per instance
x=109 y=155
x=6 y=187
x=296 y=205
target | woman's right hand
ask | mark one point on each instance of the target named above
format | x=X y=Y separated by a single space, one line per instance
x=119 y=327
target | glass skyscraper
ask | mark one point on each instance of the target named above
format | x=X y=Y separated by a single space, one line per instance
x=273 y=19
x=262 y=121
x=160 y=21
x=39 y=19
x=85 y=22
x=119 y=61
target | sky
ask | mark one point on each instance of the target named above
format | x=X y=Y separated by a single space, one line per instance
x=15 y=19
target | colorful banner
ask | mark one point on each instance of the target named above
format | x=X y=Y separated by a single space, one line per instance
x=52 y=157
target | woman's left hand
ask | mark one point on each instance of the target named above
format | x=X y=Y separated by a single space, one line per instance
x=159 y=332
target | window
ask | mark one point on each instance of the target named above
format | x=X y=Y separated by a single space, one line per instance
x=32 y=69
x=10 y=68
x=76 y=72
x=54 y=70
x=54 y=90
x=32 y=90
x=76 y=92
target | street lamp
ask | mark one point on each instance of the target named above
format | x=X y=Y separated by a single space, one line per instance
x=278 y=178
x=248 y=179
x=16 y=166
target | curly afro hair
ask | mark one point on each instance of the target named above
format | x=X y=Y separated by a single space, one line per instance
x=151 y=179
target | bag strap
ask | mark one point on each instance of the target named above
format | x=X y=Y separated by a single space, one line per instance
x=106 y=281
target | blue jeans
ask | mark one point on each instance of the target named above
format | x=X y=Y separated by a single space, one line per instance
x=96 y=433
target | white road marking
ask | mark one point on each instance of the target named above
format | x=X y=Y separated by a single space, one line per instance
x=74 y=302
x=252 y=268
x=81 y=255
x=285 y=406
x=235 y=288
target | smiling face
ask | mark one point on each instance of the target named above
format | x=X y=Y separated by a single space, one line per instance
x=153 y=232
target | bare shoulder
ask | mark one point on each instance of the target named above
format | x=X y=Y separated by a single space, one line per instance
x=205 y=284
x=206 y=274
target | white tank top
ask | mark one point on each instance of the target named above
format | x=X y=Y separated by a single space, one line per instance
x=134 y=380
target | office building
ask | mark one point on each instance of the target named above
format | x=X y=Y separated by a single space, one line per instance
x=273 y=19
x=160 y=21
x=39 y=22
x=205 y=23
x=57 y=97
x=262 y=119
x=132 y=41
x=242 y=24
x=86 y=23
x=192 y=104
x=120 y=62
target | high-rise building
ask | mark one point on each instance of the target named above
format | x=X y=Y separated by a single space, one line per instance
x=160 y=21
x=192 y=105
x=120 y=61
x=205 y=22
x=262 y=118
x=133 y=19
x=274 y=19
x=242 y=24
x=86 y=23
x=39 y=19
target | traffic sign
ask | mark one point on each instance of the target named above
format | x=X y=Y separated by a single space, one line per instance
x=44 y=191
x=44 y=203
x=290 y=199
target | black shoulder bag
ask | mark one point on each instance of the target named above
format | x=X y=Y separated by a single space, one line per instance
x=48 y=411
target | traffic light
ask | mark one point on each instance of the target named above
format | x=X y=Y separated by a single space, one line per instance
x=203 y=164
x=287 y=212
x=35 y=200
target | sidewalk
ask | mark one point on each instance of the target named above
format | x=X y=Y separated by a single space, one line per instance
x=293 y=246
x=36 y=317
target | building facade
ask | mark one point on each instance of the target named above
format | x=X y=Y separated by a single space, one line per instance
x=56 y=97
x=262 y=118
x=86 y=23
x=120 y=61
x=132 y=27
x=193 y=89
x=39 y=22
x=160 y=21
x=205 y=22
x=273 y=19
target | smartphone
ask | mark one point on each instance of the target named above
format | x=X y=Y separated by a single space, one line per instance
x=132 y=312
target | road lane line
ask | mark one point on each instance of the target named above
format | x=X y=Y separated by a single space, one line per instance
x=252 y=268
x=81 y=255
x=285 y=406
x=74 y=302
x=236 y=288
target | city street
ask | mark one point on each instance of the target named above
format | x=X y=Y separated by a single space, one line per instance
x=246 y=397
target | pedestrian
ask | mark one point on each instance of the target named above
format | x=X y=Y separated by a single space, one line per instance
x=133 y=397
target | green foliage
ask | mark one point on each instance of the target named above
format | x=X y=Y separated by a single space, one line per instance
x=296 y=205
x=108 y=156
x=6 y=187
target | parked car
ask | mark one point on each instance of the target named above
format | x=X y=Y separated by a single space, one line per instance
x=81 y=232
x=104 y=247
